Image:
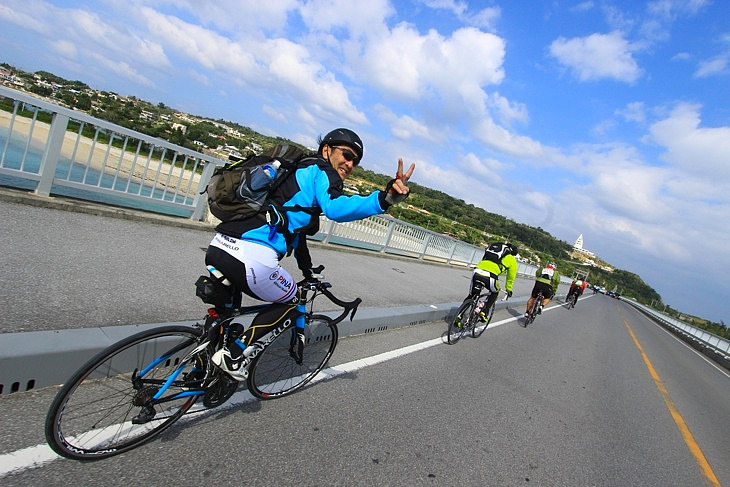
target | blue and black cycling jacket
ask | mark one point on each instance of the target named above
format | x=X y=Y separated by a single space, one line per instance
x=315 y=184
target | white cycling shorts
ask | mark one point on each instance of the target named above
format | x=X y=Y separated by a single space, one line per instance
x=487 y=278
x=264 y=275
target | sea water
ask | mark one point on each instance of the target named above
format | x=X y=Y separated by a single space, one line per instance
x=26 y=158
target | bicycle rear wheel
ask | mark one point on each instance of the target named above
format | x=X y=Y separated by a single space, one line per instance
x=274 y=372
x=480 y=326
x=461 y=322
x=91 y=416
x=533 y=310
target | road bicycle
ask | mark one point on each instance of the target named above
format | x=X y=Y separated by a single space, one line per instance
x=571 y=299
x=136 y=388
x=533 y=311
x=471 y=316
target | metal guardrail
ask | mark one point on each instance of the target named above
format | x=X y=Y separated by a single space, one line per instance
x=386 y=234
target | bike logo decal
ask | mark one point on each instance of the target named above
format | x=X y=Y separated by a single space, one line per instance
x=270 y=337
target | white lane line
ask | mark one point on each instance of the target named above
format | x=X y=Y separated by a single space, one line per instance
x=40 y=455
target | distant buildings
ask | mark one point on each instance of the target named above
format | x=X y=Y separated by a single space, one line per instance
x=586 y=255
x=8 y=77
x=578 y=247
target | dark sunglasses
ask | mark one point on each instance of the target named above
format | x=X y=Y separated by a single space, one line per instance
x=348 y=154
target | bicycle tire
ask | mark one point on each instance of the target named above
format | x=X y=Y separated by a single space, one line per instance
x=455 y=332
x=273 y=373
x=91 y=415
x=533 y=310
x=479 y=326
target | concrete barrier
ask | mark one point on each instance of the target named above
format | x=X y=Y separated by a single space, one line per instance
x=32 y=360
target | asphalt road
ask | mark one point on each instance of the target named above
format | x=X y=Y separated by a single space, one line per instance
x=568 y=401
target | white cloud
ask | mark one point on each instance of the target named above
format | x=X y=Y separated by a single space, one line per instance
x=719 y=64
x=65 y=48
x=631 y=191
x=694 y=149
x=356 y=18
x=238 y=17
x=488 y=169
x=584 y=6
x=633 y=112
x=667 y=9
x=508 y=111
x=445 y=78
x=484 y=18
x=276 y=65
x=711 y=67
x=406 y=64
x=455 y=6
x=87 y=32
x=597 y=56
x=122 y=69
x=404 y=126
x=199 y=78
x=275 y=113
x=25 y=14
x=604 y=127
x=506 y=142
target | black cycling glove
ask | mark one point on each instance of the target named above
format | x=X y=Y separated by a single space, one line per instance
x=393 y=197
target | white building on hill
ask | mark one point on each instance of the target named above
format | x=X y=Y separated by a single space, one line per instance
x=578 y=247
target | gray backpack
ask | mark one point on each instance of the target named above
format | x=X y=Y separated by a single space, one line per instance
x=242 y=189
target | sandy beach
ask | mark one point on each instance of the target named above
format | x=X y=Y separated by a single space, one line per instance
x=109 y=159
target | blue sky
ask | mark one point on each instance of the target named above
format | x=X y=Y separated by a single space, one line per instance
x=609 y=119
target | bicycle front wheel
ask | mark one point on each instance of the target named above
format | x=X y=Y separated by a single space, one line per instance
x=275 y=373
x=480 y=326
x=92 y=415
x=460 y=324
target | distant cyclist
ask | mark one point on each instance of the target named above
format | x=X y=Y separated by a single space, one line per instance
x=576 y=288
x=547 y=280
x=498 y=258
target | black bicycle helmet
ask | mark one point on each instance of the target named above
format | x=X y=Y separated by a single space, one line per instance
x=512 y=248
x=343 y=136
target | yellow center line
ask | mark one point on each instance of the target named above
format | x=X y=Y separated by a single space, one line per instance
x=683 y=429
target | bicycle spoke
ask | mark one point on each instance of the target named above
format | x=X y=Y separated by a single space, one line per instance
x=275 y=373
x=462 y=322
x=92 y=415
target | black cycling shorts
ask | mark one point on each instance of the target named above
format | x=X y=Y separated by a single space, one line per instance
x=547 y=290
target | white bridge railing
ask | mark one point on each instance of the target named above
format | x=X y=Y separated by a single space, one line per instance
x=81 y=156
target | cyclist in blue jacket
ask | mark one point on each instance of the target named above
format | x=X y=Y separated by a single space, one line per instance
x=248 y=252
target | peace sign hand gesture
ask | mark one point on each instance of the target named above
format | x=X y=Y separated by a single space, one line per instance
x=397 y=189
